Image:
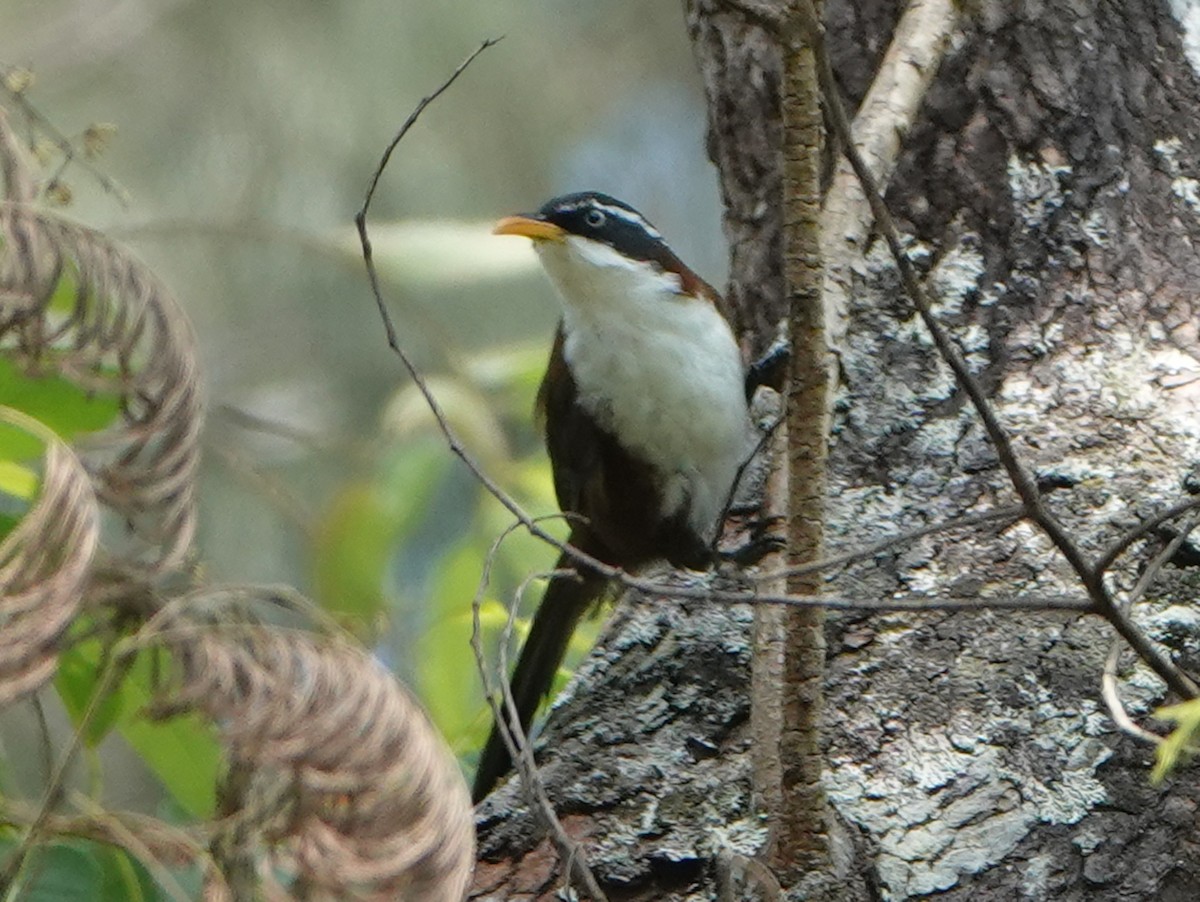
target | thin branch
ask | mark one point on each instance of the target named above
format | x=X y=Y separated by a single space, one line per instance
x=507 y=719
x=1011 y=514
x=1112 y=698
x=309 y=440
x=455 y=444
x=61 y=141
x=54 y=788
x=276 y=492
x=360 y=218
x=705 y=592
x=883 y=120
x=731 y=496
x=134 y=845
x=1150 y=574
x=1119 y=547
x=737 y=871
x=1023 y=483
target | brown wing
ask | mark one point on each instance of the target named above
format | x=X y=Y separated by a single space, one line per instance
x=615 y=492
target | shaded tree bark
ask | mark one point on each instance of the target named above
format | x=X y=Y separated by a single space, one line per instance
x=1051 y=191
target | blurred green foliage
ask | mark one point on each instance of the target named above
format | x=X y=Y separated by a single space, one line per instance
x=181 y=751
x=80 y=869
x=1181 y=744
x=390 y=517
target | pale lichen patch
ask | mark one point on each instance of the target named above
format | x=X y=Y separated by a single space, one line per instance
x=1187 y=14
x=1184 y=187
x=1037 y=189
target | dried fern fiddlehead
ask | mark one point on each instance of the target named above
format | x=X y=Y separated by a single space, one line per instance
x=375 y=805
x=74 y=303
x=44 y=564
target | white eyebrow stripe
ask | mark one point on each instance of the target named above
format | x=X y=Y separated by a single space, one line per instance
x=629 y=216
x=620 y=213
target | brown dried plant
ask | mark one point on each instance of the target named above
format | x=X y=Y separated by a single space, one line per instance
x=74 y=303
x=365 y=801
x=44 y=565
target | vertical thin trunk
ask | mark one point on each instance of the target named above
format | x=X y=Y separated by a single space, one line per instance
x=790 y=644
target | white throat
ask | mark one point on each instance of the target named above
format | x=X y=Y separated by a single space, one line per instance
x=657 y=368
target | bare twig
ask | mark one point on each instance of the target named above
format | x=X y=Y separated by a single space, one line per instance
x=737 y=871
x=53 y=792
x=1108 y=682
x=453 y=442
x=1150 y=574
x=1114 y=551
x=742 y=469
x=1011 y=514
x=15 y=168
x=883 y=119
x=61 y=141
x=137 y=846
x=156 y=844
x=706 y=592
x=270 y=488
x=1112 y=698
x=307 y=439
x=508 y=723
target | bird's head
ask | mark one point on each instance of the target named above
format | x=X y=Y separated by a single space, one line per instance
x=599 y=250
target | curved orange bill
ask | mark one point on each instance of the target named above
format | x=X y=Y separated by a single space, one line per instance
x=527 y=226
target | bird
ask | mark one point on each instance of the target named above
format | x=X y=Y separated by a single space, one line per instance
x=645 y=407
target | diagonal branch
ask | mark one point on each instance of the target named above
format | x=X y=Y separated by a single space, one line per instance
x=918 y=44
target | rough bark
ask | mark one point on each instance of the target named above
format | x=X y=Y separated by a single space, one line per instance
x=1050 y=191
x=788 y=668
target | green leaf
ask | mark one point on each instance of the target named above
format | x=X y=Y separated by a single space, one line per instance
x=1180 y=743
x=81 y=869
x=182 y=751
x=18 y=481
x=19 y=478
x=55 y=400
x=125 y=878
x=446 y=673
x=77 y=678
x=63 y=300
x=18 y=488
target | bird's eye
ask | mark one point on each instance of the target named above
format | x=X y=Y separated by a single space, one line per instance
x=595 y=218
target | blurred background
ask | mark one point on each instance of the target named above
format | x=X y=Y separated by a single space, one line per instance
x=246 y=135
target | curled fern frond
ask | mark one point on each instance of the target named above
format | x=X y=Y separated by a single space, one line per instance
x=373 y=804
x=74 y=303
x=44 y=565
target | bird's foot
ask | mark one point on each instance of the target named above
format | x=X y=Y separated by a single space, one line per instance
x=761 y=541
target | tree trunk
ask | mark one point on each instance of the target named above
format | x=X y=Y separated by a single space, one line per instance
x=1049 y=188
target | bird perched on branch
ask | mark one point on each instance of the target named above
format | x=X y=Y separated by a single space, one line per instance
x=646 y=418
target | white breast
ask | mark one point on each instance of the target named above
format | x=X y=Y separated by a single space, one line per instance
x=659 y=369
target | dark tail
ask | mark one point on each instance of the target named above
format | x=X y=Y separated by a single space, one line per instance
x=565 y=602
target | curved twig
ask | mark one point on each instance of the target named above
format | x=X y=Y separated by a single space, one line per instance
x=508 y=723
x=1122 y=543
